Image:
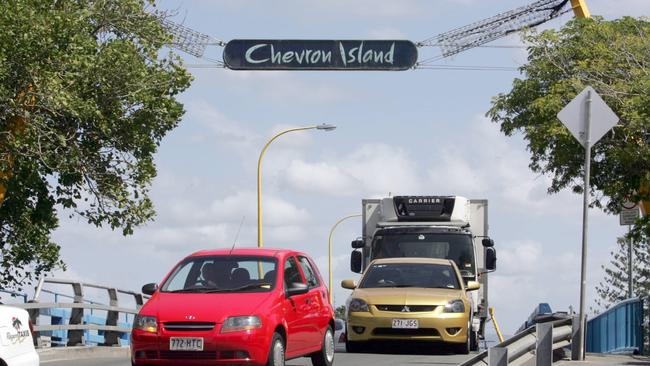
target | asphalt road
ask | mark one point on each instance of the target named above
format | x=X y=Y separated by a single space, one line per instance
x=384 y=355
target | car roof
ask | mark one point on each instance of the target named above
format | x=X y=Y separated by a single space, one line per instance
x=412 y=260
x=264 y=252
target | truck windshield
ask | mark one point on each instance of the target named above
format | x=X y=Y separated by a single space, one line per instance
x=457 y=247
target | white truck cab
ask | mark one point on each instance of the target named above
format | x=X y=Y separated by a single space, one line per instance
x=16 y=342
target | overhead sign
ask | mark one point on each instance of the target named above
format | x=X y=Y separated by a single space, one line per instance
x=574 y=116
x=629 y=214
x=260 y=54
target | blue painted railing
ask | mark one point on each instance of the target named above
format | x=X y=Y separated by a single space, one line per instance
x=617 y=330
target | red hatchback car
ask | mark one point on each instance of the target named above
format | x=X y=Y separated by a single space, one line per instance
x=236 y=307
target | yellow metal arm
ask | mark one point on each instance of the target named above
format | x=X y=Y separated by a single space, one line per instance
x=580 y=9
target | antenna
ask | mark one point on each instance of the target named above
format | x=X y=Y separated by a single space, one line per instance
x=237 y=235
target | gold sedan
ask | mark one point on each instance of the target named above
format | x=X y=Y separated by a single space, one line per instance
x=409 y=299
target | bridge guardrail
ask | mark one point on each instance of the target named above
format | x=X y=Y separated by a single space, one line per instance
x=617 y=330
x=74 y=326
x=535 y=343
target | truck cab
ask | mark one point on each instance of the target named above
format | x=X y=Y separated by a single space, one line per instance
x=447 y=227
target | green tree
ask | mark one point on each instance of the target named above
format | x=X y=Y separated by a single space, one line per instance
x=86 y=95
x=614 y=58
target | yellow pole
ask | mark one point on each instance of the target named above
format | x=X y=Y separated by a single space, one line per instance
x=496 y=325
x=330 y=249
x=259 y=172
x=580 y=9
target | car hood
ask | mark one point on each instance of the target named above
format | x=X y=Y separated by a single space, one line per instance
x=408 y=295
x=206 y=307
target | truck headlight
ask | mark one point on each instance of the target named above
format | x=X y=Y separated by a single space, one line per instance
x=240 y=323
x=455 y=306
x=358 y=305
x=145 y=323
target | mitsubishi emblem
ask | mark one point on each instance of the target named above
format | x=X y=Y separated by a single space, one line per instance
x=406 y=309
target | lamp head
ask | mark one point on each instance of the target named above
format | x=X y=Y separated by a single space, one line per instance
x=326 y=127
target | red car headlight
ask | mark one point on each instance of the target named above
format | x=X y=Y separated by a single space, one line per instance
x=148 y=324
x=239 y=323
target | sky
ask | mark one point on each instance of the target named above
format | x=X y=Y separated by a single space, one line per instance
x=416 y=132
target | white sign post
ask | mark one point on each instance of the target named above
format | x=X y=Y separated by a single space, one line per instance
x=588 y=118
x=628 y=216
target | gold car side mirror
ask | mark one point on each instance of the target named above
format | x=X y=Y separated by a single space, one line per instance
x=472 y=285
x=349 y=284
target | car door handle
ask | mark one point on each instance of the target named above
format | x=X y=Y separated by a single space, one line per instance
x=307 y=301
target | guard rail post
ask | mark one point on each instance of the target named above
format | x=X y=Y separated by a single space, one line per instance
x=544 y=347
x=111 y=337
x=498 y=356
x=76 y=336
x=575 y=333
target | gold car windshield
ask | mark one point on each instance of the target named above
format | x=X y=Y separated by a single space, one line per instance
x=424 y=275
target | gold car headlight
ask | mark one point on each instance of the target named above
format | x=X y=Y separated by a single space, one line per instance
x=455 y=306
x=358 y=305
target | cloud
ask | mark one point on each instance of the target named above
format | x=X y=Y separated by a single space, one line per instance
x=372 y=170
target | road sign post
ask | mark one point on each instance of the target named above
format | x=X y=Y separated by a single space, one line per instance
x=628 y=216
x=588 y=118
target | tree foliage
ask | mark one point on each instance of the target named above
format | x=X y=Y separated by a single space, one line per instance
x=614 y=58
x=86 y=96
x=614 y=286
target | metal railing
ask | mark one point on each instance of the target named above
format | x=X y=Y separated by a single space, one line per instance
x=617 y=330
x=534 y=345
x=71 y=325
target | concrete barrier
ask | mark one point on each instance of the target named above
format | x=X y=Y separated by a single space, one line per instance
x=82 y=352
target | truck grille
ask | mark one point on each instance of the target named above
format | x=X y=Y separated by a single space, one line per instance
x=406 y=308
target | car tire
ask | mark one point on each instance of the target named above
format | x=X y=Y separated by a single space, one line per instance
x=325 y=357
x=353 y=347
x=276 y=352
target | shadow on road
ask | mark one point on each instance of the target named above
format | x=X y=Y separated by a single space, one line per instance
x=409 y=348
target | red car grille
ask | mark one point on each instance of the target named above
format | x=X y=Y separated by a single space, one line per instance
x=188 y=355
x=188 y=326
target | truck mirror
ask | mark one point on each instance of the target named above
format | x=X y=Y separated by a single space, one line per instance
x=490 y=259
x=355 y=261
x=487 y=242
x=357 y=244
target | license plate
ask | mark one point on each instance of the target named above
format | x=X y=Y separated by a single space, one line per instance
x=406 y=323
x=185 y=344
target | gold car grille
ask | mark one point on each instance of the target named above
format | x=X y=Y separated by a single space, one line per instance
x=406 y=308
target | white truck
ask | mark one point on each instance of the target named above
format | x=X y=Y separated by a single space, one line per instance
x=450 y=227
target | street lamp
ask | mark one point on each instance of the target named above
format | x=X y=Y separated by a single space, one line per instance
x=324 y=127
x=330 y=248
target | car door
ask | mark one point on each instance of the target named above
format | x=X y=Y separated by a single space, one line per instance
x=295 y=308
x=315 y=304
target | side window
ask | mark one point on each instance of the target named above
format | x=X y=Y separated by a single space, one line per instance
x=291 y=273
x=310 y=274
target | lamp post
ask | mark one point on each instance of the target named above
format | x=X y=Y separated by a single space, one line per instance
x=324 y=127
x=330 y=249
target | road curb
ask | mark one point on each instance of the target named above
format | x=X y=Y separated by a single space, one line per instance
x=72 y=353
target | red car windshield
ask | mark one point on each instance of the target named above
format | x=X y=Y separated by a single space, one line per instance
x=211 y=274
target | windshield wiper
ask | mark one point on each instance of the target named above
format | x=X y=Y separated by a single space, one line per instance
x=196 y=289
x=242 y=288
